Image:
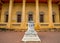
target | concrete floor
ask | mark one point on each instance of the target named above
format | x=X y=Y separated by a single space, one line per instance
x=16 y=37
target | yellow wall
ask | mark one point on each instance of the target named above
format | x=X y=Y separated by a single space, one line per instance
x=16 y=7
x=43 y=7
x=56 y=10
x=5 y=7
x=29 y=7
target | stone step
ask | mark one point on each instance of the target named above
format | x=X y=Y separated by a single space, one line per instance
x=32 y=42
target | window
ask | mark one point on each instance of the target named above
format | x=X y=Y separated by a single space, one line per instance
x=53 y=17
x=30 y=16
x=6 y=16
x=18 y=16
x=41 y=18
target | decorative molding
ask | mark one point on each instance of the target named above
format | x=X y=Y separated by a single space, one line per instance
x=3 y=24
x=56 y=24
x=16 y=24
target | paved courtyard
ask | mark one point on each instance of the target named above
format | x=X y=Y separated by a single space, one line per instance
x=16 y=37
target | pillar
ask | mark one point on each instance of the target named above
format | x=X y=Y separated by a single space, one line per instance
x=37 y=14
x=0 y=9
x=37 y=11
x=50 y=13
x=10 y=13
x=0 y=12
x=59 y=11
x=23 y=15
x=23 y=11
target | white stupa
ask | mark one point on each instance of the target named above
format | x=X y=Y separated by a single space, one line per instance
x=31 y=34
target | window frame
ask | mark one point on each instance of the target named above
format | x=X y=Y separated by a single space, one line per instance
x=53 y=18
x=41 y=19
x=6 y=15
x=30 y=16
x=19 y=19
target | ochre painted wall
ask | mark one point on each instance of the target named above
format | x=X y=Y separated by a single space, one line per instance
x=56 y=10
x=43 y=7
x=30 y=7
x=5 y=7
x=17 y=7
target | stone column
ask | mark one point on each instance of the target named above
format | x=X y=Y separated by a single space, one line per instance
x=0 y=13
x=10 y=13
x=23 y=15
x=0 y=9
x=59 y=11
x=23 y=11
x=37 y=11
x=37 y=14
x=50 y=13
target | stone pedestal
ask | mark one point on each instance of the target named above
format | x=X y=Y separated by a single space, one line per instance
x=31 y=35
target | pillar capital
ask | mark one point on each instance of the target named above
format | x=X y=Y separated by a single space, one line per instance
x=24 y=1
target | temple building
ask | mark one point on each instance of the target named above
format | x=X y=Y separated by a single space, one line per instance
x=15 y=14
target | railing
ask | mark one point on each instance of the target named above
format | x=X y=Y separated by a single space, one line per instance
x=44 y=24
x=16 y=24
x=3 y=24
x=56 y=24
x=27 y=24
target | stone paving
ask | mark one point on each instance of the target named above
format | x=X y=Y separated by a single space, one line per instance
x=16 y=37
